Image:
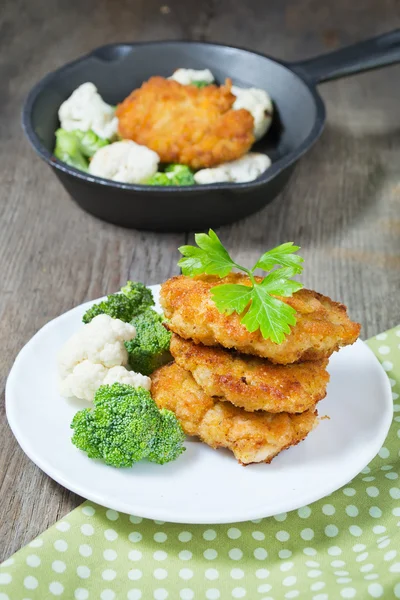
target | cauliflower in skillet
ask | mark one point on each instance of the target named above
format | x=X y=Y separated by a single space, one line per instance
x=96 y=355
x=259 y=105
x=193 y=76
x=86 y=110
x=247 y=168
x=125 y=161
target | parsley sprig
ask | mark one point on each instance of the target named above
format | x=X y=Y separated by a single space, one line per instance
x=257 y=304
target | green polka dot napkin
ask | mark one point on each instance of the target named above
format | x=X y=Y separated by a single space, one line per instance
x=344 y=546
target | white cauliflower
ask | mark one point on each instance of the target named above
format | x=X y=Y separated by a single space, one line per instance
x=101 y=341
x=188 y=76
x=83 y=381
x=124 y=161
x=259 y=105
x=85 y=109
x=86 y=378
x=96 y=355
x=247 y=168
x=122 y=375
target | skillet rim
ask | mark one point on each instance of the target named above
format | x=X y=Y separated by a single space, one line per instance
x=276 y=167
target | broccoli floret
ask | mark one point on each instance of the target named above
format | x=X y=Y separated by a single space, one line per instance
x=133 y=298
x=75 y=147
x=173 y=175
x=68 y=150
x=180 y=175
x=159 y=179
x=200 y=83
x=150 y=347
x=125 y=426
x=89 y=142
x=168 y=444
x=85 y=436
x=139 y=294
x=117 y=306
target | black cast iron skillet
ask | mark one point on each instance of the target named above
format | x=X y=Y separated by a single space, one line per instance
x=116 y=69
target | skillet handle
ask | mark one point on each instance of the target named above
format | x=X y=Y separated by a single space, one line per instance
x=363 y=56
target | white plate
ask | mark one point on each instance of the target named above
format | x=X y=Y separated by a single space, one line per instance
x=203 y=485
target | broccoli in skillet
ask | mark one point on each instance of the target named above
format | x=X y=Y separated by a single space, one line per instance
x=159 y=179
x=75 y=147
x=173 y=175
x=180 y=174
x=150 y=348
x=125 y=426
x=89 y=142
x=200 y=83
x=68 y=150
x=133 y=298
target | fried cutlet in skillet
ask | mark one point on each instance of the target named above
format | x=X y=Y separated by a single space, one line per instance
x=185 y=124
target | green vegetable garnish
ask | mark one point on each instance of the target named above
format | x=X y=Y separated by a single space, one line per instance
x=257 y=304
x=150 y=347
x=125 y=426
x=200 y=84
x=68 y=150
x=75 y=147
x=133 y=299
x=89 y=142
x=159 y=179
x=180 y=174
x=173 y=175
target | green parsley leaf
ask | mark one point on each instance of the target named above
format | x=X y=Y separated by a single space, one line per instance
x=257 y=303
x=229 y=298
x=272 y=316
x=210 y=257
x=283 y=256
x=267 y=313
x=278 y=283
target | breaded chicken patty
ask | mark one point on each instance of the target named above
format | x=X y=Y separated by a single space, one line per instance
x=250 y=382
x=185 y=124
x=252 y=437
x=322 y=325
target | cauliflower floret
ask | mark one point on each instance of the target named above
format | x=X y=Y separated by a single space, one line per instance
x=247 y=168
x=101 y=342
x=188 y=76
x=258 y=103
x=124 y=161
x=96 y=355
x=122 y=375
x=84 y=380
x=85 y=109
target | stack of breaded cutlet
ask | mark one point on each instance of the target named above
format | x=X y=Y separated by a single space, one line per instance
x=235 y=389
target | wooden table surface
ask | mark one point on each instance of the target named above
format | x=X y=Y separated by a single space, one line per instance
x=342 y=205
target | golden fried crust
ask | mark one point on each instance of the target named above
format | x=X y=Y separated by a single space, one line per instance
x=250 y=382
x=252 y=437
x=322 y=325
x=185 y=124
